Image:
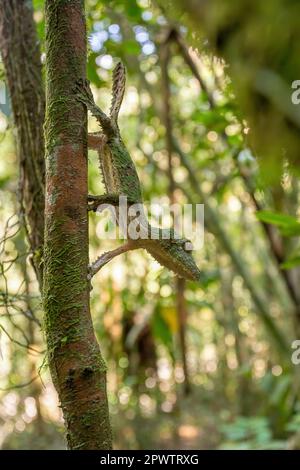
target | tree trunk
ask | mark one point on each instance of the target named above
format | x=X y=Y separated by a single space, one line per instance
x=76 y=364
x=182 y=317
x=21 y=58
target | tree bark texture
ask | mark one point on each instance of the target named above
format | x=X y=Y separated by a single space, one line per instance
x=76 y=364
x=21 y=57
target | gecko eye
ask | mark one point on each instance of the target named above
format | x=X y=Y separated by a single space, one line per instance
x=184 y=243
x=187 y=245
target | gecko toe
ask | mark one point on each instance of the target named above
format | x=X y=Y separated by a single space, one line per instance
x=83 y=91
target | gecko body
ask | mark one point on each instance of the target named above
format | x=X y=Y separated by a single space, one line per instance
x=121 y=179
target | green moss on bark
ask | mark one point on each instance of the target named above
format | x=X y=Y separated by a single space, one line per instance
x=75 y=360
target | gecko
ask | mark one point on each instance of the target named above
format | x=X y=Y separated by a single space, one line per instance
x=121 y=179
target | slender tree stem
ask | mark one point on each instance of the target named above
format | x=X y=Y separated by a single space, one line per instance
x=21 y=57
x=76 y=364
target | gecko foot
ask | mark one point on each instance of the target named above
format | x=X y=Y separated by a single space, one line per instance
x=83 y=93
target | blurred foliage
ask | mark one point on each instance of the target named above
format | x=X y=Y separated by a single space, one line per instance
x=249 y=433
x=244 y=391
x=258 y=40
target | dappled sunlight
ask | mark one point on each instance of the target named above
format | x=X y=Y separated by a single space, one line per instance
x=200 y=364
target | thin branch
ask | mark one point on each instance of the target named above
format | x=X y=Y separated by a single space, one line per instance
x=26 y=346
x=181 y=308
x=13 y=387
x=273 y=237
x=191 y=64
x=108 y=256
x=213 y=221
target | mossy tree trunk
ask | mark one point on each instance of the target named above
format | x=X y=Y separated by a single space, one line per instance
x=21 y=57
x=76 y=364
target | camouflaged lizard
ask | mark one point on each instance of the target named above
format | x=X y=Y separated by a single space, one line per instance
x=121 y=179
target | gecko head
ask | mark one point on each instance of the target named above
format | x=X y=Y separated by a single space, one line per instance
x=176 y=254
x=183 y=260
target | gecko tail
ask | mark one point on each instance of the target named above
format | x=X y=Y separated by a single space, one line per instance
x=118 y=90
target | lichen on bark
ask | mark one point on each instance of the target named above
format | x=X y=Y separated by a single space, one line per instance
x=76 y=364
x=21 y=57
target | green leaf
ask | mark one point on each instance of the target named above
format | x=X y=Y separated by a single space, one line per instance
x=92 y=70
x=292 y=262
x=161 y=330
x=133 y=10
x=132 y=47
x=288 y=225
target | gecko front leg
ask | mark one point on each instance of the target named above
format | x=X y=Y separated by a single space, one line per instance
x=84 y=94
x=112 y=199
x=94 y=202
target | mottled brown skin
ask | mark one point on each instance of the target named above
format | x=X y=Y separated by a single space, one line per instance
x=121 y=179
